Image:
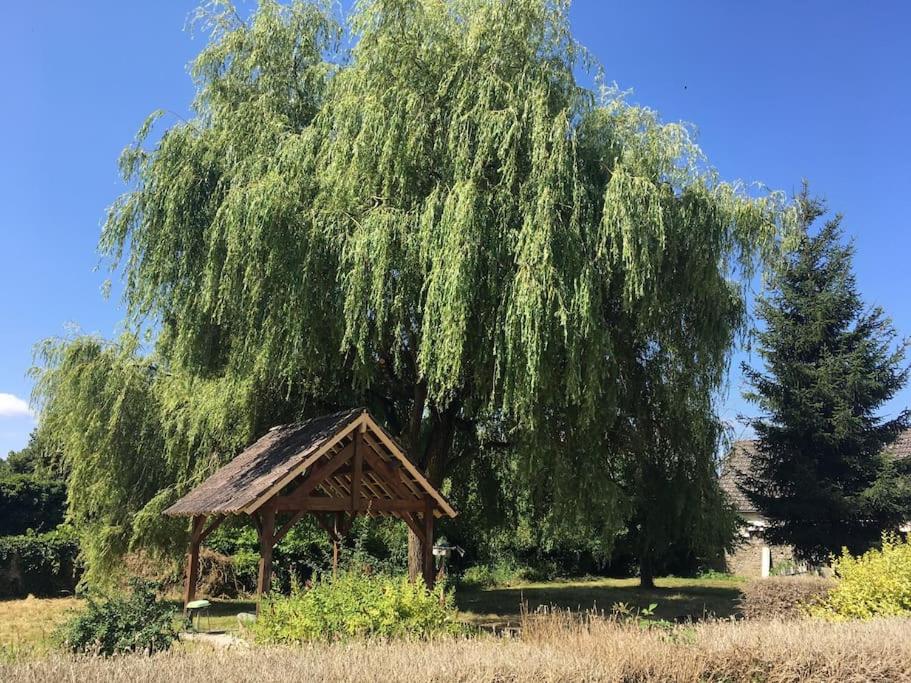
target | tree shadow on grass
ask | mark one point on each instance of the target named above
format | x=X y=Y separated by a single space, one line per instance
x=685 y=602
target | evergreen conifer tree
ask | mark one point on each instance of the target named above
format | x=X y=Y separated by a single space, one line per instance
x=823 y=474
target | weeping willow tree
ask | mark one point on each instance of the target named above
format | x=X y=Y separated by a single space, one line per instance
x=416 y=207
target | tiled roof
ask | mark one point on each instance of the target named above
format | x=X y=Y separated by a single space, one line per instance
x=737 y=464
x=902 y=447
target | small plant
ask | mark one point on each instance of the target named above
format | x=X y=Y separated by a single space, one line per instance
x=875 y=584
x=785 y=568
x=139 y=623
x=357 y=605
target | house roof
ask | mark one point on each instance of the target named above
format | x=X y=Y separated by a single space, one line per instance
x=734 y=468
x=288 y=452
x=901 y=447
x=737 y=465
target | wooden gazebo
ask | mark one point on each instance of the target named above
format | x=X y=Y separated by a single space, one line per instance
x=333 y=467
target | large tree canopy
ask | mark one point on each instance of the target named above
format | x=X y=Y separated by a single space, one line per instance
x=423 y=210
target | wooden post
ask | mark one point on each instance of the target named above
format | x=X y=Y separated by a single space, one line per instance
x=266 y=536
x=189 y=589
x=357 y=474
x=428 y=564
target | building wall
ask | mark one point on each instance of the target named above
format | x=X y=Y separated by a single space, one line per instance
x=746 y=560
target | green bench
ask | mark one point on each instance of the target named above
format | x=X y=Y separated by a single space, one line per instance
x=197 y=609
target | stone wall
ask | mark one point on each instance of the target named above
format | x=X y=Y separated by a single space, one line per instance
x=746 y=560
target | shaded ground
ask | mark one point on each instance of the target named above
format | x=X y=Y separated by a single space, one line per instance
x=676 y=599
x=27 y=625
x=222 y=615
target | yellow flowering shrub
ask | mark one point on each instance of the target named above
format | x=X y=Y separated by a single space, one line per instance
x=877 y=583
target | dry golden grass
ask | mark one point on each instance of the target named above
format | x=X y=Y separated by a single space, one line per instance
x=26 y=625
x=557 y=648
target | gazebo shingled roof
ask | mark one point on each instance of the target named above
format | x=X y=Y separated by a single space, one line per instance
x=286 y=451
x=342 y=464
x=259 y=466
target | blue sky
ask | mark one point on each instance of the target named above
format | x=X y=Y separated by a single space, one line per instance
x=779 y=91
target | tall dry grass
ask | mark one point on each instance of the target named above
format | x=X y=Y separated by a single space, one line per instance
x=556 y=648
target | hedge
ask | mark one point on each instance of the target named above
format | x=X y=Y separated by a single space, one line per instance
x=782 y=597
x=30 y=502
x=44 y=565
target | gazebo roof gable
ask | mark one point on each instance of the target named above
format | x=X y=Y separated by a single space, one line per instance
x=290 y=454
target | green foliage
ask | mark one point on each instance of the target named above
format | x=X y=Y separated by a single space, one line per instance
x=875 y=584
x=139 y=623
x=30 y=502
x=41 y=565
x=783 y=568
x=439 y=223
x=101 y=404
x=499 y=574
x=823 y=474
x=715 y=575
x=305 y=551
x=357 y=605
x=38 y=458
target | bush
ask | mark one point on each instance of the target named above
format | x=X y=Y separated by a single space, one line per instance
x=784 y=597
x=504 y=574
x=139 y=623
x=43 y=565
x=30 y=502
x=357 y=605
x=878 y=583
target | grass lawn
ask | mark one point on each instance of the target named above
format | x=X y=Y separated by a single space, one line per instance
x=677 y=599
x=27 y=625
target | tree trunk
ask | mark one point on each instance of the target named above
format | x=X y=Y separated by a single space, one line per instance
x=433 y=465
x=646 y=567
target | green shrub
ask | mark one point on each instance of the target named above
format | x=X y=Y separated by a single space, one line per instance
x=43 y=565
x=30 y=502
x=356 y=605
x=504 y=574
x=138 y=623
x=877 y=583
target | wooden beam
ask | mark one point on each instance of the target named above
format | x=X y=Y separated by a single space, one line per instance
x=212 y=527
x=287 y=526
x=394 y=465
x=264 y=581
x=387 y=441
x=328 y=528
x=327 y=504
x=189 y=589
x=411 y=520
x=358 y=473
x=389 y=474
x=321 y=473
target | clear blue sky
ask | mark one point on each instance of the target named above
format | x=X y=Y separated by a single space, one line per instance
x=779 y=90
